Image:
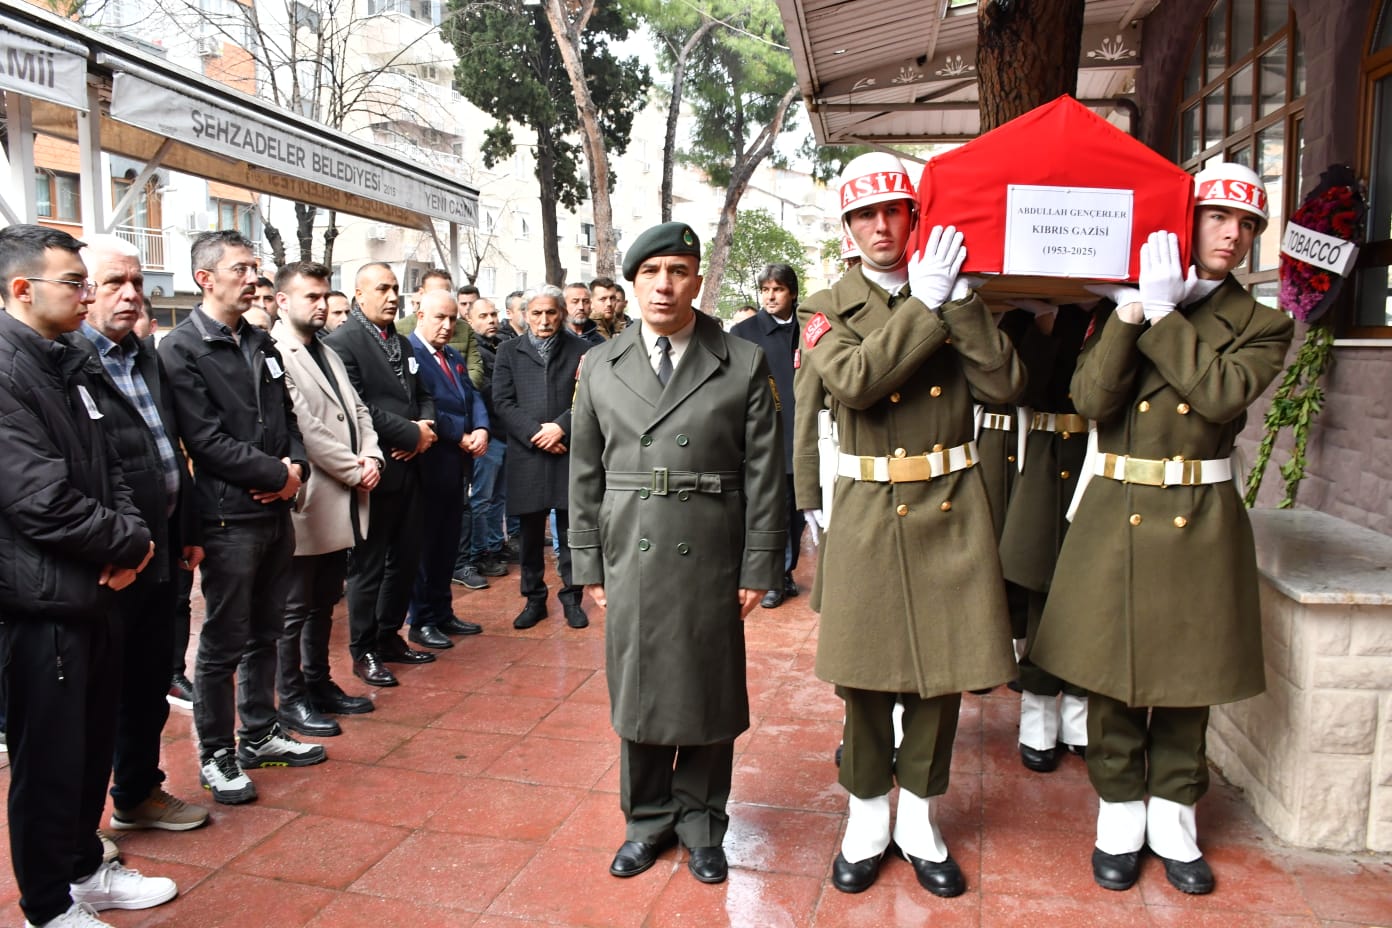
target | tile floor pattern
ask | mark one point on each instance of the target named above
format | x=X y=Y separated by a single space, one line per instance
x=482 y=793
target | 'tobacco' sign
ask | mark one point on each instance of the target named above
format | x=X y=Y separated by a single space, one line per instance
x=1325 y=251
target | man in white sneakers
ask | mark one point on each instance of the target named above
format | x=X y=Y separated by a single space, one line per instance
x=70 y=537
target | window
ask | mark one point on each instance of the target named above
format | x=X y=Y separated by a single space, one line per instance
x=524 y=225
x=586 y=238
x=487 y=280
x=234 y=215
x=1243 y=100
x=58 y=196
x=520 y=281
x=429 y=11
x=1371 y=314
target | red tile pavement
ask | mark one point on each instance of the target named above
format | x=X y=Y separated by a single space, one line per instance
x=482 y=793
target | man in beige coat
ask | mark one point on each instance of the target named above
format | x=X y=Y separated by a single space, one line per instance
x=345 y=464
x=909 y=587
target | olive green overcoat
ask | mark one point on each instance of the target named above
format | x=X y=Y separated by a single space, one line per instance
x=909 y=585
x=1154 y=601
x=673 y=563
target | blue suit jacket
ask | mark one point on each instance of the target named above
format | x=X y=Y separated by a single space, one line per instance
x=459 y=410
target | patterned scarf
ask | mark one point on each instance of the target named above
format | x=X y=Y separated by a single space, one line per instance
x=543 y=346
x=391 y=346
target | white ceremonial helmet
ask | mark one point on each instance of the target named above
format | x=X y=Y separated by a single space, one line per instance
x=874 y=177
x=1232 y=185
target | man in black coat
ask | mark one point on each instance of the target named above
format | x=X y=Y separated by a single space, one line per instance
x=774 y=329
x=137 y=408
x=533 y=387
x=70 y=535
x=238 y=426
x=382 y=568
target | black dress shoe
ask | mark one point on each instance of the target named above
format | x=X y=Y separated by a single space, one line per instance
x=370 y=670
x=708 y=864
x=633 y=857
x=394 y=651
x=575 y=616
x=941 y=878
x=855 y=877
x=1079 y=749
x=531 y=615
x=429 y=636
x=1193 y=877
x=772 y=599
x=839 y=749
x=453 y=626
x=491 y=567
x=300 y=716
x=1040 y=761
x=1115 y=871
x=790 y=589
x=329 y=699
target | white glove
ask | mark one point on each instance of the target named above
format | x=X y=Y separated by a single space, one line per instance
x=816 y=524
x=1034 y=307
x=1120 y=294
x=965 y=284
x=933 y=272
x=1162 y=275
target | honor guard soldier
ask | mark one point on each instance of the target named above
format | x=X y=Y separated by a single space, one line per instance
x=1154 y=609
x=678 y=525
x=909 y=588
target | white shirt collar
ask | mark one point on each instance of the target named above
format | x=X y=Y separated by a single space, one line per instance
x=891 y=281
x=679 y=339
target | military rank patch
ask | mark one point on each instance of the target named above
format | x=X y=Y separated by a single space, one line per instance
x=817 y=326
x=773 y=388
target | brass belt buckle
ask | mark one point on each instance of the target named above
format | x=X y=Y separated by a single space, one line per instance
x=1145 y=471
x=659 y=486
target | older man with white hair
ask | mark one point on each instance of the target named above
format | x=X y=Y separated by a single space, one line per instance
x=137 y=408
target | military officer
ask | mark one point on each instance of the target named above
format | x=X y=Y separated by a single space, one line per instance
x=677 y=529
x=909 y=587
x=1154 y=607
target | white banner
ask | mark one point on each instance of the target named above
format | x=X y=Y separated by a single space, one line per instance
x=1326 y=251
x=246 y=137
x=42 y=71
x=1067 y=231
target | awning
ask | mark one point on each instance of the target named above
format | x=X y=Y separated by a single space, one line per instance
x=895 y=71
x=151 y=110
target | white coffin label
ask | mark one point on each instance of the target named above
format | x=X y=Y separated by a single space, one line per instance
x=1067 y=231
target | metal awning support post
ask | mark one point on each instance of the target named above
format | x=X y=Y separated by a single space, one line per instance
x=95 y=201
x=21 y=137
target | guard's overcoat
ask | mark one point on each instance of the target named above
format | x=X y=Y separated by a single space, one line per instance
x=910 y=602
x=1035 y=522
x=672 y=565
x=1154 y=601
x=999 y=449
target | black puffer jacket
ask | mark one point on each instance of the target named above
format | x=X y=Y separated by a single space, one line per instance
x=237 y=422
x=64 y=511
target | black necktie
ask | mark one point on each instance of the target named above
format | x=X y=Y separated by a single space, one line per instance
x=664 y=364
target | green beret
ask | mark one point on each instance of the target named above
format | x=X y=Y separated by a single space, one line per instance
x=670 y=238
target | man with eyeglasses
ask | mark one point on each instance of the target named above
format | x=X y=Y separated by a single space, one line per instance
x=239 y=427
x=70 y=537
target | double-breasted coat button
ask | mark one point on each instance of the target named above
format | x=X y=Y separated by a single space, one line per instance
x=645 y=440
x=935 y=391
x=1182 y=409
x=1064 y=475
x=894 y=397
x=340 y=417
x=684 y=495
x=938 y=447
x=1180 y=521
x=644 y=544
x=683 y=440
x=1135 y=518
x=1143 y=406
x=946 y=505
x=899 y=452
x=1065 y=435
x=643 y=493
x=902 y=509
x=1010 y=458
x=683 y=548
